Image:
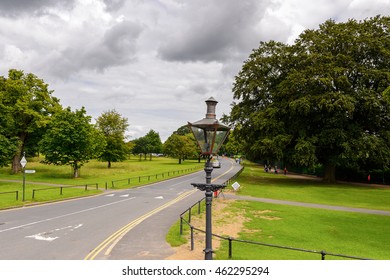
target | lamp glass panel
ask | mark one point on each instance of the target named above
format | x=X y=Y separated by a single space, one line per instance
x=219 y=139
x=204 y=137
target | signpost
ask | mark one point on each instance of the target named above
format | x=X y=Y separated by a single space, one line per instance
x=23 y=163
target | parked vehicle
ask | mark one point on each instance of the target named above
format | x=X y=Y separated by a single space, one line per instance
x=216 y=163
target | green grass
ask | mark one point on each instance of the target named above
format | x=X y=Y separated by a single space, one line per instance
x=92 y=173
x=255 y=182
x=353 y=234
x=338 y=232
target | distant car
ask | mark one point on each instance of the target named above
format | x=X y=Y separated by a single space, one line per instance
x=216 y=164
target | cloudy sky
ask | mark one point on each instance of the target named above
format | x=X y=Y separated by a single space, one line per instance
x=153 y=61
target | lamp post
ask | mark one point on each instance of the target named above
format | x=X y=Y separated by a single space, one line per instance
x=210 y=135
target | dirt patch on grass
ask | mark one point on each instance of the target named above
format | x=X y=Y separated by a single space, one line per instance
x=220 y=227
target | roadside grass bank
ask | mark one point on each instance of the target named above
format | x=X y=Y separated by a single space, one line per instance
x=47 y=179
x=353 y=234
x=256 y=182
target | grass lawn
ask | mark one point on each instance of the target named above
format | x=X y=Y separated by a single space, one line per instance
x=255 y=182
x=92 y=173
x=338 y=232
x=353 y=234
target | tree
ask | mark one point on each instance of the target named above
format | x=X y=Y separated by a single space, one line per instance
x=27 y=105
x=319 y=100
x=71 y=140
x=150 y=143
x=180 y=146
x=113 y=126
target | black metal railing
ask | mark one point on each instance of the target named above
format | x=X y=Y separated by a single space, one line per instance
x=139 y=179
x=61 y=188
x=230 y=240
x=15 y=192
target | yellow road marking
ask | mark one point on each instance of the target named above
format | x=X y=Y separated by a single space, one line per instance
x=113 y=239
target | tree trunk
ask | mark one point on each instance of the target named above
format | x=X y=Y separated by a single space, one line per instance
x=109 y=164
x=16 y=167
x=330 y=173
x=76 y=170
x=179 y=160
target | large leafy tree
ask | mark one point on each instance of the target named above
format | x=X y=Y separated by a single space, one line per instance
x=71 y=140
x=113 y=126
x=180 y=146
x=148 y=144
x=26 y=106
x=320 y=100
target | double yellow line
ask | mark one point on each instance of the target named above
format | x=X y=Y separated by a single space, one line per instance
x=112 y=240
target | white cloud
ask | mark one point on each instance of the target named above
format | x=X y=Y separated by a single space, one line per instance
x=155 y=62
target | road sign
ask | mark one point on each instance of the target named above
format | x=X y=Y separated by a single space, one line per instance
x=23 y=162
x=29 y=171
x=236 y=186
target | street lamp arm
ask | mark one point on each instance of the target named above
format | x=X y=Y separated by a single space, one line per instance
x=205 y=187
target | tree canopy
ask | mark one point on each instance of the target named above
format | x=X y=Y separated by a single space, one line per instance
x=113 y=126
x=148 y=144
x=26 y=105
x=181 y=146
x=71 y=140
x=320 y=100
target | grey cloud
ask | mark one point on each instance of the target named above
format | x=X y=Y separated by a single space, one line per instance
x=117 y=46
x=113 y=5
x=16 y=7
x=214 y=31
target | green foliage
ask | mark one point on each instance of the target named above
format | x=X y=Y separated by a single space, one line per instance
x=180 y=146
x=71 y=140
x=320 y=100
x=26 y=105
x=113 y=127
x=150 y=143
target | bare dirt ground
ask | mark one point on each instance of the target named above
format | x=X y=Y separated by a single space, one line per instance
x=231 y=229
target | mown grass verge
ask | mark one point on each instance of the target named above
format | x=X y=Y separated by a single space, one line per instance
x=338 y=232
x=121 y=175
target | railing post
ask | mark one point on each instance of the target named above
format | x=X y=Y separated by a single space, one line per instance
x=323 y=254
x=189 y=215
x=17 y=195
x=60 y=190
x=192 y=238
x=33 y=194
x=181 y=225
x=230 y=247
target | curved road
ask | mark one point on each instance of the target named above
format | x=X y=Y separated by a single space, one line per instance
x=94 y=227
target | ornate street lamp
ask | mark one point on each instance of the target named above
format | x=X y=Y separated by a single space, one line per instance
x=210 y=135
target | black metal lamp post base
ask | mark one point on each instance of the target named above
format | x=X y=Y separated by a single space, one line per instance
x=209 y=189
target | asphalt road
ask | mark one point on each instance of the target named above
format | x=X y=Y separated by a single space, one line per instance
x=95 y=227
